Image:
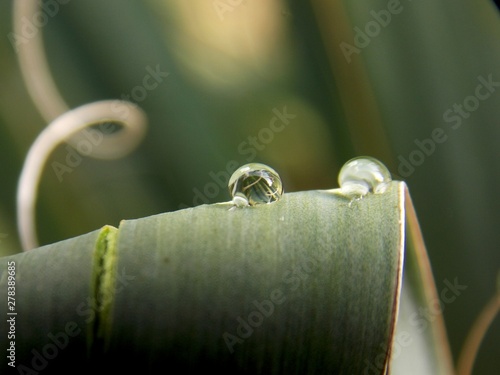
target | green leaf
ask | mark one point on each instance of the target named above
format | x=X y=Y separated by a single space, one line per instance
x=309 y=284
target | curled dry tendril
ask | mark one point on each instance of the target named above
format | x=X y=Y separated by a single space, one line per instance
x=64 y=124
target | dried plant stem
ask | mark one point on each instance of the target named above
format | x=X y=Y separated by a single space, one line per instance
x=65 y=124
x=475 y=337
x=57 y=132
x=34 y=66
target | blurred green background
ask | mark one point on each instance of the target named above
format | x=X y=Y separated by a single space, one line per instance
x=361 y=78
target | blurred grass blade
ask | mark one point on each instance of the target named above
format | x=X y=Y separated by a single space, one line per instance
x=420 y=345
x=476 y=335
x=309 y=284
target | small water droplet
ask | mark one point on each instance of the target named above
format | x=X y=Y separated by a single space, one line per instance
x=363 y=175
x=254 y=184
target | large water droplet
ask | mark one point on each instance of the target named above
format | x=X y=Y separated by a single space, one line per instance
x=254 y=184
x=363 y=175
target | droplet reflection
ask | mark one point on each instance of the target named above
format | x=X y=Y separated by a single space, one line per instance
x=254 y=184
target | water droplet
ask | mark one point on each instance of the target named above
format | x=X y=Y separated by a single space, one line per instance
x=254 y=184
x=363 y=175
